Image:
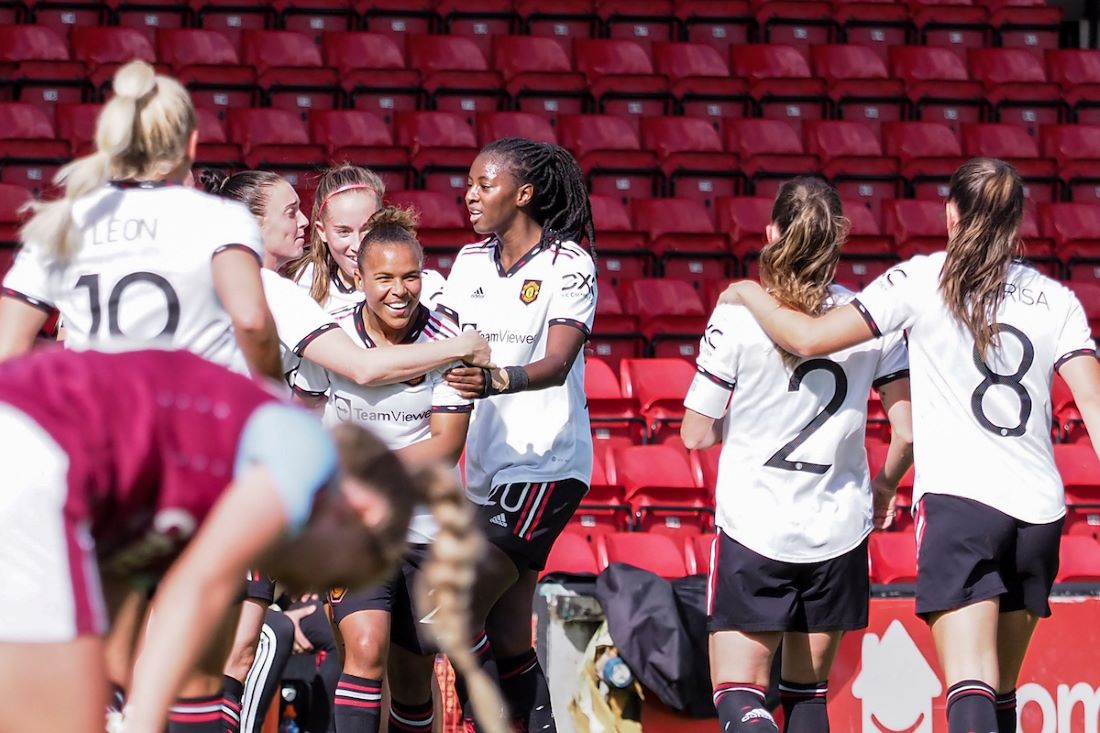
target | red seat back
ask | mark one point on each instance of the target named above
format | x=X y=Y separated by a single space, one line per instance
x=683 y=60
x=430 y=54
x=348 y=51
x=495 y=125
x=270 y=49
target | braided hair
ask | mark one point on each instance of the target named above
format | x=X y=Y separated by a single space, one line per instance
x=560 y=203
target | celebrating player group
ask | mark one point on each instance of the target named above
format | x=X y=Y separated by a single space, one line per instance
x=248 y=398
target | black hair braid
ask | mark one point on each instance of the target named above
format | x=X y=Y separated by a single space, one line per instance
x=560 y=204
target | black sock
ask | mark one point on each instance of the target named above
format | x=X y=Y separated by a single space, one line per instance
x=358 y=704
x=197 y=715
x=523 y=684
x=1006 y=712
x=117 y=701
x=971 y=708
x=804 y=706
x=741 y=708
x=483 y=655
x=412 y=718
x=232 y=691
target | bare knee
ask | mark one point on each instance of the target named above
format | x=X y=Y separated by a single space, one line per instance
x=366 y=641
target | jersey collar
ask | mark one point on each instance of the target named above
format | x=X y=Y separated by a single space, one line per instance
x=143 y=184
x=420 y=320
x=527 y=257
x=340 y=283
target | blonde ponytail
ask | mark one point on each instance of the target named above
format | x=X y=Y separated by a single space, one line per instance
x=449 y=577
x=142 y=133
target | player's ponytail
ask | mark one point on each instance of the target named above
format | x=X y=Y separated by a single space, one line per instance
x=248 y=187
x=391 y=225
x=332 y=183
x=449 y=578
x=560 y=203
x=989 y=196
x=142 y=133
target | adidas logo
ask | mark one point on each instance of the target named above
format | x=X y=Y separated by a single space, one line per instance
x=500 y=520
x=479 y=293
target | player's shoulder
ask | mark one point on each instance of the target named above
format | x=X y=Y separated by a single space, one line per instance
x=434 y=326
x=482 y=249
x=1027 y=286
x=734 y=323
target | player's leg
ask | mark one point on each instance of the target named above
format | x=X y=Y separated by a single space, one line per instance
x=522 y=680
x=363 y=620
x=242 y=654
x=273 y=651
x=32 y=675
x=201 y=706
x=740 y=666
x=804 y=682
x=120 y=644
x=410 y=676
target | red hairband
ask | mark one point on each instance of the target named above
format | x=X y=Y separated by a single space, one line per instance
x=343 y=189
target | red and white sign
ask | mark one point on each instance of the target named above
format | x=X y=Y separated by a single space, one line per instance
x=886 y=679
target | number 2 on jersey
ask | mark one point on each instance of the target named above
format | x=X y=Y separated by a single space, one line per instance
x=840 y=391
x=1012 y=381
x=172 y=301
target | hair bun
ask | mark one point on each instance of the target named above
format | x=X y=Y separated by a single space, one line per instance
x=134 y=80
x=213 y=180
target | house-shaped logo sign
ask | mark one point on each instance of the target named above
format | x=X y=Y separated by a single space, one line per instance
x=896 y=685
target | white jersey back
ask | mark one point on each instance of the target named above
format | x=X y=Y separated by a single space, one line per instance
x=793 y=483
x=298 y=318
x=981 y=429
x=399 y=414
x=541 y=435
x=142 y=272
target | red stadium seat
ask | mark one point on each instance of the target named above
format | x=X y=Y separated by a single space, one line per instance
x=661 y=491
x=1012 y=143
x=615 y=334
x=653 y=552
x=12 y=200
x=745 y=219
x=609 y=151
x=612 y=414
x=444 y=224
x=603 y=509
x=929 y=153
x=876 y=25
x=570 y=555
x=36 y=65
x=780 y=82
x=704 y=464
x=64 y=16
x=1034 y=25
x=672 y=315
x=149 y=17
x=215 y=149
x=233 y=18
x=495 y=125
x=76 y=123
x=701 y=82
x=564 y=22
x=539 y=76
x=853 y=161
x=1075 y=229
x=918 y=227
x=356 y=135
x=442 y=145
x=770 y=152
x=698 y=553
x=957 y=25
x=102 y=50
x=938 y=85
x=292 y=74
x=1089 y=295
x=397 y=18
x=1077 y=71
x=799 y=23
x=659 y=386
x=684 y=239
x=868 y=252
x=1078 y=467
x=644 y=21
x=692 y=159
x=621 y=77
x=1017 y=87
x=718 y=23
x=624 y=251
x=275 y=139
x=1078 y=560
x=859 y=85
x=1076 y=150
x=456 y=75
x=478 y=20
x=30 y=152
x=317 y=17
x=209 y=66
x=892 y=557
x=373 y=73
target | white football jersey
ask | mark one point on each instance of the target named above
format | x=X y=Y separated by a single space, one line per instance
x=142 y=272
x=431 y=287
x=298 y=318
x=539 y=435
x=399 y=414
x=341 y=300
x=981 y=428
x=793 y=483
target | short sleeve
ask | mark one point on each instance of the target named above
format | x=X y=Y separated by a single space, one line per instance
x=310 y=380
x=716 y=366
x=300 y=467
x=28 y=280
x=444 y=396
x=449 y=301
x=237 y=228
x=573 y=302
x=893 y=363
x=1075 y=338
x=298 y=318
x=892 y=301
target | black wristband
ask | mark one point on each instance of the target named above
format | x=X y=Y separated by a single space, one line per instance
x=518 y=380
x=487 y=386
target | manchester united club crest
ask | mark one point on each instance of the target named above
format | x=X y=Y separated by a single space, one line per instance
x=530 y=291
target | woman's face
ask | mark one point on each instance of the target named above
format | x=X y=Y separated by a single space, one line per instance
x=343 y=224
x=493 y=197
x=283 y=224
x=390 y=280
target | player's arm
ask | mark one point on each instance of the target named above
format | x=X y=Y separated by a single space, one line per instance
x=563 y=345
x=197 y=591
x=236 y=272
x=1082 y=374
x=698 y=431
x=446 y=444
x=899 y=455
x=392 y=364
x=798 y=333
x=20 y=323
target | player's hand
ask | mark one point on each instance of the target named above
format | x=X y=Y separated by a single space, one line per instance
x=475 y=349
x=301 y=643
x=884 y=498
x=732 y=294
x=469 y=382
